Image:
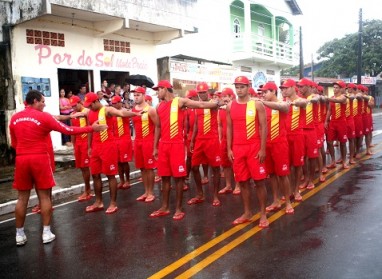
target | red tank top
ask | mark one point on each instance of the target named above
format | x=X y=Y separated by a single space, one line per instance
x=337 y=111
x=80 y=122
x=171 y=120
x=106 y=136
x=207 y=123
x=276 y=122
x=143 y=125
x=245 y=123
x=349 y=112
x=308 y=119
x=357 y=107
x=294 y=121
x=122 y=127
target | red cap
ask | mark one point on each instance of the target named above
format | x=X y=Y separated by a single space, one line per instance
x=116 y=99
x=340 y=83
x=288 y=83
x=314 y=84
x=241 y=80
x=139 y=90
x=320 y=88
x=352 y=85
x=148 y=98
x=191 y=93
x=227 y=91
x=164 y=84
x=269 y=86
x=74 y=100
x=366 y=88
x=90 y=98
x=360 y=87
x=252 y=92
x=202 y=87
x=304 y=82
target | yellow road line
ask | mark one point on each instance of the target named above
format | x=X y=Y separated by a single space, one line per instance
x=213 y=257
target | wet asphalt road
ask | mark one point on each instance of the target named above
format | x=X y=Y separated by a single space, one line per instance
x=334 y=233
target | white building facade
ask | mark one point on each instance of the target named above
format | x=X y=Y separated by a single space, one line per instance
x=53 y=44
x=245 y=37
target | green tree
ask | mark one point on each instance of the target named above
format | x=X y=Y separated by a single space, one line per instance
x=340 y=55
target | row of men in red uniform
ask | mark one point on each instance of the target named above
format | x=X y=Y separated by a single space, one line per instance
x=258 y=138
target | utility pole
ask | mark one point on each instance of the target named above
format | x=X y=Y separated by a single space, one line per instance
x=359 y=57
x=312 y=68
x=301 y=57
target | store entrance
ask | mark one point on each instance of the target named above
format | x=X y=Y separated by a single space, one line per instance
x=72 y=80
x=114 y=77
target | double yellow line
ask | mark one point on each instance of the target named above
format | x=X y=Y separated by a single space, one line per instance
x=240 y=239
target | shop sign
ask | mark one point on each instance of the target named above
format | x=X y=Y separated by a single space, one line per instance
x=46 y=54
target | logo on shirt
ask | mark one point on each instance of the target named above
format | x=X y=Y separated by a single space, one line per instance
x=217 y=159
x=112 y=167
x=86 y=161
x=262 y=170
x=181 y=169
x=150 y=161
x=285 y=167
x=174 y=109
x=124 y=156
x=250 y=112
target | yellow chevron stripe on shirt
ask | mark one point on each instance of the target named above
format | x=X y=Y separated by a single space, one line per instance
x=309 y=111
x=355 y=107
x=275 y=122
x=250 y=117
x=145 y=122
x=83 y=123
x=295 y=118
x=174 y=117
x=120 y=126
x=102 y=121
x=206 y=121
x=338 y=110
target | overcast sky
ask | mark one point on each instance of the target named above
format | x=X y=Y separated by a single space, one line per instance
x=324 y=20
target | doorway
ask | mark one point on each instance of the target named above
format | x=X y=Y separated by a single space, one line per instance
x=72 y=80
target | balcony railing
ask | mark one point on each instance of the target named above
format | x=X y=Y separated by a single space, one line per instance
x=265 y=48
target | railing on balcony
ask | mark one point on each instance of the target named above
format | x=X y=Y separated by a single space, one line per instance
x=265 y=47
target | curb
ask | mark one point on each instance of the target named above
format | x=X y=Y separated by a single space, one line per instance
x=57 y=194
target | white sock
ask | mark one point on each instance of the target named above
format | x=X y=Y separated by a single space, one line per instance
x=20 y=231
x=46 y=229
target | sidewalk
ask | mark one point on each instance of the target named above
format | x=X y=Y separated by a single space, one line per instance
x=69 y=181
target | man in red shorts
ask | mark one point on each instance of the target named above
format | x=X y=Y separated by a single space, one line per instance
x=80 y=144
x=367 y=118
x=295 y=136
x=144 y=127
x=309 y=130
x=349 y=112
x=30 y=132
x=122 y=135
x=227 y=96
x=246 y=145
x=103 y=151
x=277 y=160
x=205 y=147
x=336 y=123
x=170 y=136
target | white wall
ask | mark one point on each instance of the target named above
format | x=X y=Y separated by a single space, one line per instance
x=30 y=60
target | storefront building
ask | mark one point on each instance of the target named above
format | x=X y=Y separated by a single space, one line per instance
x=51 y=45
